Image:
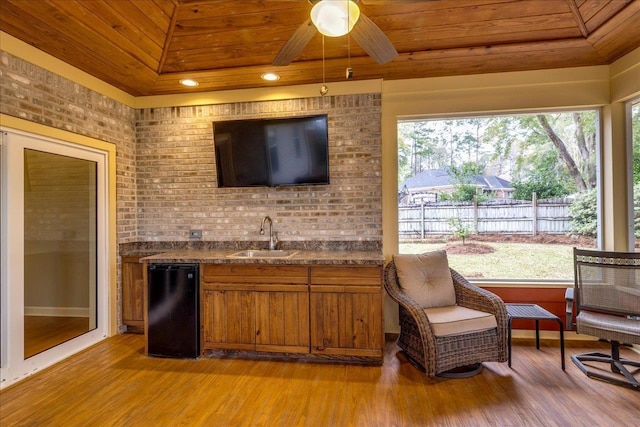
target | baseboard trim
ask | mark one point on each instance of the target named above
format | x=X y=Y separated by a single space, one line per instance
x=57 y=311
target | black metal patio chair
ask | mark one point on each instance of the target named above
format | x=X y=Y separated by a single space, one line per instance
x=607 y=297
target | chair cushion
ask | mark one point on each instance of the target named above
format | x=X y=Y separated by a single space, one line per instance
x=457 y=320
x=426 y=278
x=608 y=326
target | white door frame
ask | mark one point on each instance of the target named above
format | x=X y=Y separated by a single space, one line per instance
x=14 y=367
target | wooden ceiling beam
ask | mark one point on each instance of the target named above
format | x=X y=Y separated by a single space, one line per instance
x=169 y=38
x=575 y=11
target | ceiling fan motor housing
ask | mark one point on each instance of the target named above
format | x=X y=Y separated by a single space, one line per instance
x=334 y=18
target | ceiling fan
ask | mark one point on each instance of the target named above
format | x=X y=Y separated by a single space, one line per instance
x=325 y=16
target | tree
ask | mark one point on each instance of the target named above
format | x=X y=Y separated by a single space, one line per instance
x=469 y=134
x=636 y=211
x=547 y=180
x=503 y=134
x=585 y=143
x=635 y=135
x=523 y=190
x=478 y=128
x=552 y=154
x=419 y=148
x=466 y=172
x=635 y=141
x=563 y=152
x=465 y=188
x=459 y=228
x=464 y=193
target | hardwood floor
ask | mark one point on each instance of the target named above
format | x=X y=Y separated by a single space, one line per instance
x=114 y=384
x=43 y=332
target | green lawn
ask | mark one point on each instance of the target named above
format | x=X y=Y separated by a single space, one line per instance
x=509 y=261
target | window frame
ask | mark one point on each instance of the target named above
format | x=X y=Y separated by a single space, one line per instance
x=598 y=170
x=628 y=130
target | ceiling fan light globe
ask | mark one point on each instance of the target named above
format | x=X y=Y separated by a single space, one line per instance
x=335 y=18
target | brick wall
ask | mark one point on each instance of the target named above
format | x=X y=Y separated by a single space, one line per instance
x=176 y=175
x=32 y=93
x=168 y=154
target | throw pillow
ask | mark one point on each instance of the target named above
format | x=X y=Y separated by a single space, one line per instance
x=426 y=278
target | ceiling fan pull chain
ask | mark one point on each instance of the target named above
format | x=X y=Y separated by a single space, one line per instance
x=323 y=89
x=323 y=77
x=349 y=71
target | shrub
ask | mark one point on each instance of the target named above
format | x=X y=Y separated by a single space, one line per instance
x=636 y=210
x=464 y=193
x=583 y=211
x=523 y=190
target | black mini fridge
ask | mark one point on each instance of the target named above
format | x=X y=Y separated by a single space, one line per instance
x=173 y=328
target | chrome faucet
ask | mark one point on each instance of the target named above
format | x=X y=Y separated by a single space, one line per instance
x=273 y=237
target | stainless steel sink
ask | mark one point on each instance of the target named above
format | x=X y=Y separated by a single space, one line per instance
x=263 y=253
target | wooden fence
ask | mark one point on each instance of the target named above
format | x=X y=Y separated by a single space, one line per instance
x=498 y=216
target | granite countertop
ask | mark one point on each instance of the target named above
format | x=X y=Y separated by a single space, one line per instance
x=309 y=257
x=141 y=252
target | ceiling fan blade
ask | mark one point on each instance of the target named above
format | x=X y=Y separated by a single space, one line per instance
x=371 y=38
x=292 y=48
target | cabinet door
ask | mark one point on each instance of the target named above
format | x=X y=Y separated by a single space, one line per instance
x=255 y=307
x=228 y=318
x=133 y=293
x=282 y=318
x=347 y=311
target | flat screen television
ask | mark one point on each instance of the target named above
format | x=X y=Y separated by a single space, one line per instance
x=272 y=152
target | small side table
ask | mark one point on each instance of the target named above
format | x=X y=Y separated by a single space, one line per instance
x=537 y=313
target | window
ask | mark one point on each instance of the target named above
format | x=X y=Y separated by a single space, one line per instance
x=507 y=196
x=633 y=116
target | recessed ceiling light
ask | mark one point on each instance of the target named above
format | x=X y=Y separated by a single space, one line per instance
x=270 y=77
x=189 y=82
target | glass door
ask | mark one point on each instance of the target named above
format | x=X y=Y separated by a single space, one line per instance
x=54 y=299
x=59 y=249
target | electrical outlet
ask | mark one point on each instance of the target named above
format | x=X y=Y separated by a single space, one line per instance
x=195 y=234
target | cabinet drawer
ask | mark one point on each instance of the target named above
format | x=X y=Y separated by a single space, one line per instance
x=347 y=275
x=255 y=274
x=256 y=287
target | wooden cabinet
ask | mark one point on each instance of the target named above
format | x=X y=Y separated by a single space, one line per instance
x=282 y=318
x=255 y=307
x=227 y=317
x=133 y=294
x=347 y=311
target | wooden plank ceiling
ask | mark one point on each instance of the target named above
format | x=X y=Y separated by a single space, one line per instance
x=145 y=47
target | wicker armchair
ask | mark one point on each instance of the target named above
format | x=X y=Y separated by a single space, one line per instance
x=437 y=355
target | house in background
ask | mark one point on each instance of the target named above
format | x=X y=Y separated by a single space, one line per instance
x=429 y=185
